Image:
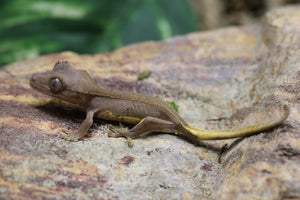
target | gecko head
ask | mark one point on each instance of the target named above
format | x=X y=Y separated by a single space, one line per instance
x=63 y=82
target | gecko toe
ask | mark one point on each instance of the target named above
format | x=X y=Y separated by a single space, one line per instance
x=70 y=138
x=112 y=131
x=117 y=132
x=111 y=134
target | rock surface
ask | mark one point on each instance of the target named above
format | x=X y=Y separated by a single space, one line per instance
x=210 y=75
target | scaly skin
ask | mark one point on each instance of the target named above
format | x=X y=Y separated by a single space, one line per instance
x=150 y=114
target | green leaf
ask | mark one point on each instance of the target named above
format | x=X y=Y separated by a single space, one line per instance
x=174 y=105
x=34 y=27
x=144 y=74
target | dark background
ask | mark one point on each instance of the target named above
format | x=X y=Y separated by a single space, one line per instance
x=29 y=28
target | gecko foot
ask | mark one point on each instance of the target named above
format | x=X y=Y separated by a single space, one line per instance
x=69 y=136
x=120 y=132
x=117 y=132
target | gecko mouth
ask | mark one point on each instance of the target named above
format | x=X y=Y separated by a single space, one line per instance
x=36 y=85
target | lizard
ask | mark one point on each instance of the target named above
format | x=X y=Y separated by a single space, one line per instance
x=148 y=113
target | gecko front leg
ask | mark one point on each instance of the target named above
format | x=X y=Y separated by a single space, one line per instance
x=84 y=127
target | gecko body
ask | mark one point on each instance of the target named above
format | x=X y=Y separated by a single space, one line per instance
x=150 y=114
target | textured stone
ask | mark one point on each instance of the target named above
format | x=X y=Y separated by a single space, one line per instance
x=210 y=75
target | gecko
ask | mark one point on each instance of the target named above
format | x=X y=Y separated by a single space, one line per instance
x=147 y=113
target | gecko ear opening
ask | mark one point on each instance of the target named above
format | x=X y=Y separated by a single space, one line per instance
x=56 y=85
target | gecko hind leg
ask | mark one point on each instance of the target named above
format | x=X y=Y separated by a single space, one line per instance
x=147 y=125
x=119 y=132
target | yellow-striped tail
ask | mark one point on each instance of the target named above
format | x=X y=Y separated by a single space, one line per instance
x=227 y=134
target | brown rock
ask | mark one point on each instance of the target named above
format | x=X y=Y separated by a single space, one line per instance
x=210 y=75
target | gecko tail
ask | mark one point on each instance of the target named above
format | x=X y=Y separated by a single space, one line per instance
x=234 y=133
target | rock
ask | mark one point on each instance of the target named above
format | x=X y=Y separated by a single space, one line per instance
x=212 y=76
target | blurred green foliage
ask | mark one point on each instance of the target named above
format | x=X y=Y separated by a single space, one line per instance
x=29 y=28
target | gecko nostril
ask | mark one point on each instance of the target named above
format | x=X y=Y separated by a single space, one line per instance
x=33 y=77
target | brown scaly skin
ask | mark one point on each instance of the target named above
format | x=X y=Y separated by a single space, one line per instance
x=150 y=114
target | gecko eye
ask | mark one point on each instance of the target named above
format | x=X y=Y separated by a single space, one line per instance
x=56 y=85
